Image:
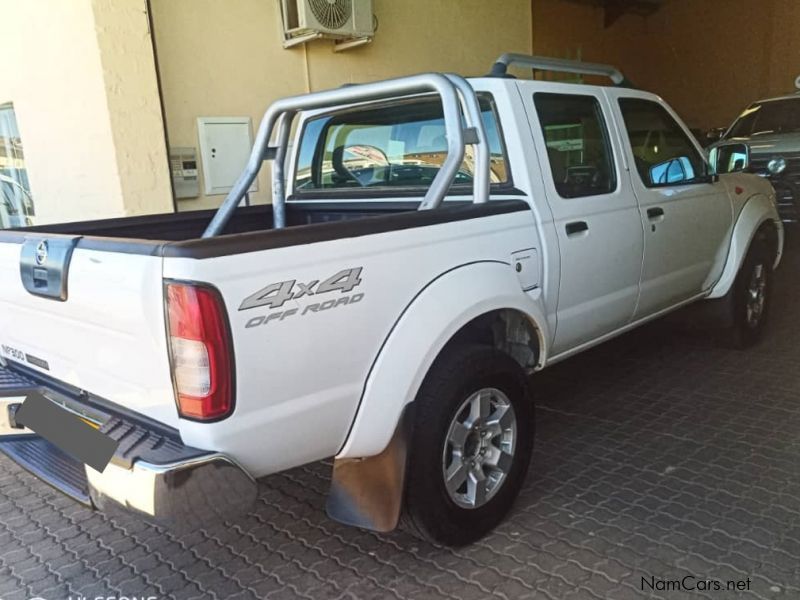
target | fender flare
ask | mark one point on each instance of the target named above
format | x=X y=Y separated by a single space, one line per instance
x=757 y=211
x=435 y=315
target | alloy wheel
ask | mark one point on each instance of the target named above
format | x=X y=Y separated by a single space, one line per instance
x=479 y=448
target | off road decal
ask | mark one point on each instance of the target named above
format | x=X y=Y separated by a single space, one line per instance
x=276 y=295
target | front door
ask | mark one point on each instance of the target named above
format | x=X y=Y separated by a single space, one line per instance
x=594 y=212
x=686 y=216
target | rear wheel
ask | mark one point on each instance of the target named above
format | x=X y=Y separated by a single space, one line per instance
x=470 y=447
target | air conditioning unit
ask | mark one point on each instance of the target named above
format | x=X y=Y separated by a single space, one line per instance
x=349 y=22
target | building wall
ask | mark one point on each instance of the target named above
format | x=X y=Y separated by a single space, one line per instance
x=134 y=105
x=226 y=58
x=567 y=29
x=708 y=59
x=75 y=119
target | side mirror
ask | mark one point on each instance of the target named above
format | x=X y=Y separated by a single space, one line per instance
x=673 y=170
x=729 y=158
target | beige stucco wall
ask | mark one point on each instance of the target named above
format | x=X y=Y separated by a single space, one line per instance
x=226 y=59
x=708 y=59
x=134 y=105
x=85 y=115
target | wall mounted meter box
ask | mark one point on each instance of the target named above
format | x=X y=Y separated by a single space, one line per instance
x=225 y=145
x=183 y=168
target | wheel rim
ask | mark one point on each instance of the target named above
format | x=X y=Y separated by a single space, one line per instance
x=756 y=295
x=479 y=448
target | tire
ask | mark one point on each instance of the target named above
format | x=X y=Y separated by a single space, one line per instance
x=750 y=297
x=464 y=381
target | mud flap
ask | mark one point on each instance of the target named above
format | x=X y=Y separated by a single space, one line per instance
x=368 y=492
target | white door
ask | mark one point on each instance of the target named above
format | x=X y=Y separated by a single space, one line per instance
x=594 y=211
x=686 y=216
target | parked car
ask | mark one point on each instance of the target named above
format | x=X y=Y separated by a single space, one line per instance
x=771 y=128
x=431 y=243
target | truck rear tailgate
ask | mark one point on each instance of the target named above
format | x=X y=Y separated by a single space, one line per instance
x=107 y=337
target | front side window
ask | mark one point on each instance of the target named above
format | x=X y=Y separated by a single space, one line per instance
x=577 y=144
x=663 y=153
x=397 y=146
x=16 y=204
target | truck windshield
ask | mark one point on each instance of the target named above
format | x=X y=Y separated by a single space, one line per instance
x=773 y=116
x=400 y=145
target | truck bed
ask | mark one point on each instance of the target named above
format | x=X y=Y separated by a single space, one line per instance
x=189 y=225
x=251 y=228
x=107 y=336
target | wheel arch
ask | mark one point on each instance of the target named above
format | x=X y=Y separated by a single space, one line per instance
x=498 y=313
x=758 y=218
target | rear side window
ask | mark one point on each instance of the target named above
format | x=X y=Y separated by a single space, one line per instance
x=393 y=146
x=577 y=144
x=663 y=153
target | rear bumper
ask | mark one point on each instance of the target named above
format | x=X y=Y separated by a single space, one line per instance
x=152 y=473
x=196 y=491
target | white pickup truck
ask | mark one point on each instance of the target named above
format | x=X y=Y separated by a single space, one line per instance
x=432 y=242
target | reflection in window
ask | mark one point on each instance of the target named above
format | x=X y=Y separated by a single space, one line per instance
x=399 y=146
x=16 y=204
x=663 y=153
x=577 y=144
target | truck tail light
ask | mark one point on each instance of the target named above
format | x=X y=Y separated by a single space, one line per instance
x=200 y=351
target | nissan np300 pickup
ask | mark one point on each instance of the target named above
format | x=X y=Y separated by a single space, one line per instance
x=432 y=241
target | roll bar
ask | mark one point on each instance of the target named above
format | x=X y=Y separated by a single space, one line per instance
x=457 y=97
x=561 y=65
x=474 y=118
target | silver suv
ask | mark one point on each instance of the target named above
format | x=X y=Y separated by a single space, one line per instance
x=771 y=128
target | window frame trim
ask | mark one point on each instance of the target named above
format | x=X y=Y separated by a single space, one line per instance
x=699 y=180
x=606 y=139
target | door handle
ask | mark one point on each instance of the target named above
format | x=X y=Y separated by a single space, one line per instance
x=576 y=227
x=655 y=212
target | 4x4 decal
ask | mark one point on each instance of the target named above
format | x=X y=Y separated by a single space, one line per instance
x=276 y=295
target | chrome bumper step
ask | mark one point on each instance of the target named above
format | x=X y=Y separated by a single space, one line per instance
x=49 y=464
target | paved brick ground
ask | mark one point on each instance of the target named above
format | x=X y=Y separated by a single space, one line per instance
x=658 y=454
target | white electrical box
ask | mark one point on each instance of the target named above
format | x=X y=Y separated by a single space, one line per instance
x=225 y=145
x=183 y=168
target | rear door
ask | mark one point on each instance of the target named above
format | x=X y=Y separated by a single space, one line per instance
x=102 y=331
x=594 y=210
x=686 y=216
